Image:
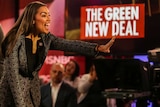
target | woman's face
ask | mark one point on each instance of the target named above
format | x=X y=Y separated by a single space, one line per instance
x=70 y=68
x=42 y=20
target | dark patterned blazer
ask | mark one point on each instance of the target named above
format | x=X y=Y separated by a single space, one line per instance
x=22 y=90
x=66 y=96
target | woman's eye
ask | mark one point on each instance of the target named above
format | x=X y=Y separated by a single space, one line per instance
x=43 y=15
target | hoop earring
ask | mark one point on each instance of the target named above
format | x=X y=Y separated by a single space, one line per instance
x=33 y=22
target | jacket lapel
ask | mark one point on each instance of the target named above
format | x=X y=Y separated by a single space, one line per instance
x=61 y=96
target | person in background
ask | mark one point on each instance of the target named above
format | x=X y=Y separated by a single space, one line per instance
x=72 y=73
x=58 y=93
x=89 y=90
x=24 y=50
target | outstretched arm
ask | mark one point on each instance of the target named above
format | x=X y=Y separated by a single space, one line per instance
x=77 y=46
x=106 y=48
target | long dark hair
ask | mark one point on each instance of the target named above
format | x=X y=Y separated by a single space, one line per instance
x=23 y=26
x=76 y=72
x=1 y=38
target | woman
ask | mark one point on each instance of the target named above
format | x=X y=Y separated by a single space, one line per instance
x=89 y=90
x=24 y=49
x=71 y=73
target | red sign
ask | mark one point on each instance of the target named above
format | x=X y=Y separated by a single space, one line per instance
x=122 y=21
